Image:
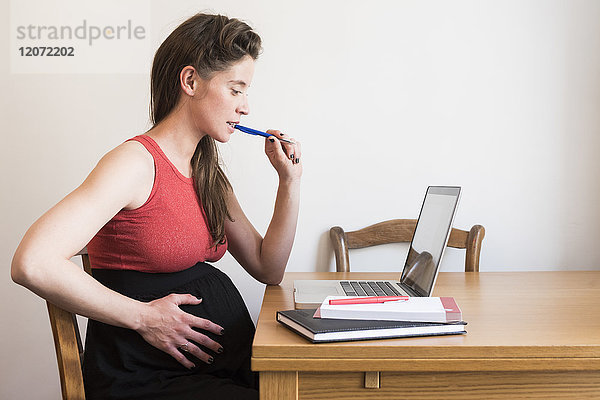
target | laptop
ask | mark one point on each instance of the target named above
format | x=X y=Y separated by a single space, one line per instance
x=422 y=262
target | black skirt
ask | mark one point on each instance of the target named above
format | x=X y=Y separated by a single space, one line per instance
x=120 y=364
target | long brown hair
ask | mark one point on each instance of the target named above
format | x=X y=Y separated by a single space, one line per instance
x=209 y=43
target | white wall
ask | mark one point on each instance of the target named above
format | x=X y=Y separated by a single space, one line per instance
x=387 y=97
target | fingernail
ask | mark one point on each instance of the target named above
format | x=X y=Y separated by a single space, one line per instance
x=222 y=331
x=297 y=161
x=271 y=140
x=282 y=134
x=210 y=360
x=220 y=350
x=192 y=367
x=291 y=156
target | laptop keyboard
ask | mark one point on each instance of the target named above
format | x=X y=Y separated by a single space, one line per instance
x=368 y=288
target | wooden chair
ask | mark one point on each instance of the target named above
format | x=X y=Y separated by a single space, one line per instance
x=68 y=345
x=398 y=231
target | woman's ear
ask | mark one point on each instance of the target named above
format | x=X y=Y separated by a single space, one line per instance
x=188 y=80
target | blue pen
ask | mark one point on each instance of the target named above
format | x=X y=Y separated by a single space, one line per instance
x=260 y=133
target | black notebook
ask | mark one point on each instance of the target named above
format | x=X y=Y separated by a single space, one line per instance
x=321 y=330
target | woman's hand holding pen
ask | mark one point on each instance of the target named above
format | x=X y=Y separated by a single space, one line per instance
x=285 y=157
x=167 y=327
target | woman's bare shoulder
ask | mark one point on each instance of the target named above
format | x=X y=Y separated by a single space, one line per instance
x=131 y=153
x=128 y=169
x=129 y=159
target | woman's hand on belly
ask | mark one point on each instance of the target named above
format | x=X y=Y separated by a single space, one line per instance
x=168 y=328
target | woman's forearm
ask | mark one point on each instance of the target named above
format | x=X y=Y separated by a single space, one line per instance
x=279 y=238
x=160 y=322
x=74 y=290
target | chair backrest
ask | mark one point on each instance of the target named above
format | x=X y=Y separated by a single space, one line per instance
x=68 y=345
x=398 y=231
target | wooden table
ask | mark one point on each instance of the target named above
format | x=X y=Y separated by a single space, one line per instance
x=530 y=335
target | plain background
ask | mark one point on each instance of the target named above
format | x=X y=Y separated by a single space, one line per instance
x=387 y=97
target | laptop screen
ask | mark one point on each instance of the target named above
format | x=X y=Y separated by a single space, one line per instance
x=430 y=238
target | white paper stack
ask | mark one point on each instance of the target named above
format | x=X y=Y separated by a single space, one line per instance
x=417 y=309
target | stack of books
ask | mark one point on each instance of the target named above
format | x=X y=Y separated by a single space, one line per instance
x=360 y=318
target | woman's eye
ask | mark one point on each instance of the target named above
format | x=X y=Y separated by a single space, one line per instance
x=236 y=92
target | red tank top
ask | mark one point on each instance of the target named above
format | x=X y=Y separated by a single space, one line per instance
x=168 y=233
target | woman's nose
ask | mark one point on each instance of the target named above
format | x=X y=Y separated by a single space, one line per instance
x=243 y=107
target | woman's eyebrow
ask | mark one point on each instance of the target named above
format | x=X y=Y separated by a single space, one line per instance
x=238 y=82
